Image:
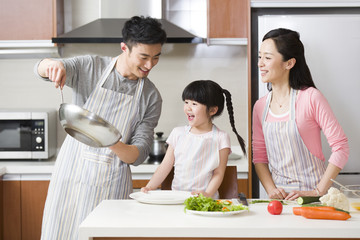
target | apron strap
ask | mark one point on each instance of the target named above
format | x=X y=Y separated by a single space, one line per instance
x=293 y=94
x=107 y=71
x=267 y=106
x=292 y=103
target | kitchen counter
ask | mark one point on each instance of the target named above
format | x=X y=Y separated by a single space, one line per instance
x=129 y=218
x=42 y=170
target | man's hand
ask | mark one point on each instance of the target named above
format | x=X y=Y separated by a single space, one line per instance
x=54 y=70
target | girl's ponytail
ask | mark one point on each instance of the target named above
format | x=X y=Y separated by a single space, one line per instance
x=232 y=121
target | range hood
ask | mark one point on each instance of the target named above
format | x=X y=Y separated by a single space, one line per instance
x=108 y=30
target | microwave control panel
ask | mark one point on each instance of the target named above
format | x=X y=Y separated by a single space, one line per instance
x=38 y=135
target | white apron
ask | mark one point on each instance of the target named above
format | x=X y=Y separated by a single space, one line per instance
x=292 y=165
x=84 y=176
x=196 y=158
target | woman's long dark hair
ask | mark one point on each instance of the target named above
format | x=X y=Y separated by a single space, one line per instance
x=289 y=46
x=211 y=94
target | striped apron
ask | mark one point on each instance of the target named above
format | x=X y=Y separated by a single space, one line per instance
x=292 y=165
x=84 y=176
x=196 y=158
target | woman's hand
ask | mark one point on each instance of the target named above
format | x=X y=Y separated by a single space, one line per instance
x=295 y=194
x=277 y=193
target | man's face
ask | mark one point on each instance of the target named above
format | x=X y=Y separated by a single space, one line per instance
x=140 y=59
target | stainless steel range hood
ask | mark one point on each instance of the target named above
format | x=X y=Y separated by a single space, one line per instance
x=108 y=30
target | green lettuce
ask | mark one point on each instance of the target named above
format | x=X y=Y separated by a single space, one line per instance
x=202 y=203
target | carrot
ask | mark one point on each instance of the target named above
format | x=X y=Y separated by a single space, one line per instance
x=298 y=210
x=312 y=213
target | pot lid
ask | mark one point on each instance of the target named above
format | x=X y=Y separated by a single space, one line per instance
x=159 y=137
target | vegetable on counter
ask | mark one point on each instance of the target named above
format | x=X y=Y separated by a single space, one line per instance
x=320 y=205
x=321 y=212
x=265 y=201
x=306 y=200
x=356 y=205
x=335 y=198
x=275 y=207
x=202 y=203
x=297 y=210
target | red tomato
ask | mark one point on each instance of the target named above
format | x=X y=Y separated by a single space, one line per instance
x=275 y=207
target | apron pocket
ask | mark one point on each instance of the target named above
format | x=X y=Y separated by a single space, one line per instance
x=99 y=167
x=99 y=155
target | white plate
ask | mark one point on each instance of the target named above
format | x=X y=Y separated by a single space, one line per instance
x=215 y=214
x=161 y=197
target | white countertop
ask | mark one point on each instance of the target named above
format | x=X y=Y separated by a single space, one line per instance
x=129 y=218
x=42 y=169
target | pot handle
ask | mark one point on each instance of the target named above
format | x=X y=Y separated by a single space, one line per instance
x=62 y=96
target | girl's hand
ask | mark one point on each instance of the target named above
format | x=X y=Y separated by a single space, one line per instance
x=145 y=189
x=277 y=193
x=202 y=192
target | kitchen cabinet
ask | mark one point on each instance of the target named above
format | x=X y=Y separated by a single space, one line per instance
x=23 y=204
x=223 y=22
x=228 y=21
x=24 y=20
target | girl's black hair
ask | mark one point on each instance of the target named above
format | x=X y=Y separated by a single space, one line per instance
x=289 y=46
x=211 y=94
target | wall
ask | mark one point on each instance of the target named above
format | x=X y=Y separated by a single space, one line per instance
x=179 y=64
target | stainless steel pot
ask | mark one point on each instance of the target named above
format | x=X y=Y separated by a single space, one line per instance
x=87 y=127
x=158 y=148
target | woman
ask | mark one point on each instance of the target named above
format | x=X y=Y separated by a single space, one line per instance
x=287 y=121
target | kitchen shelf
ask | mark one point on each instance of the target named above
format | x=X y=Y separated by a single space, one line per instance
x=227 y=41
x=28 y=48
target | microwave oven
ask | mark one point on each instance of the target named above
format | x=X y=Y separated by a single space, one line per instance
x=27 y=134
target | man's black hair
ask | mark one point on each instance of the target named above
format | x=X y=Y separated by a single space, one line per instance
x=144 y=30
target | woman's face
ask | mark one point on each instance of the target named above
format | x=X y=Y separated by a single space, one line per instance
x=271 y=65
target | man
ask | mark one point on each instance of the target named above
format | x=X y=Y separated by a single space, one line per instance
x=119 y=91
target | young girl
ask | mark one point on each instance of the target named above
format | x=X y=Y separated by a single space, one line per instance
x=199 y=151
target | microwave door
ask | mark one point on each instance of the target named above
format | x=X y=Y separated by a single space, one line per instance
x=15 y=138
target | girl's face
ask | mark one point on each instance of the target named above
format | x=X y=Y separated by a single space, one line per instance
x=198 y=116
x=271 y=65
